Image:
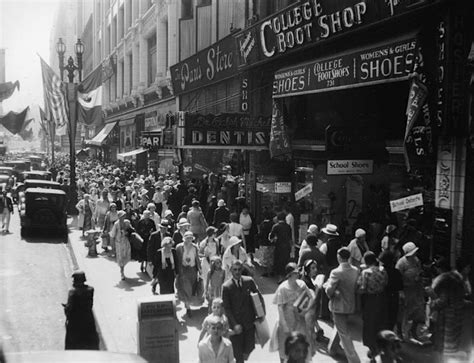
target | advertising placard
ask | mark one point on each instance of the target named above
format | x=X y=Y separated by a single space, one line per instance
x=379 y=64
x=411 y=201
x=303 y=192
x=215 y=63
x=283 y=187
x=348 y=167
x=227 y=129
x=307 y=23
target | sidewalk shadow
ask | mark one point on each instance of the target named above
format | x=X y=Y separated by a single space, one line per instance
x=195 y=321
x=130 y=283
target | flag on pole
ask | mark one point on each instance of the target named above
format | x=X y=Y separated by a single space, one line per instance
x=14 y=121
x=90 y=93
x=7 y=89
x=54 y=100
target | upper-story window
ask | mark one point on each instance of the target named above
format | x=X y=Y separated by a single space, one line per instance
x=186 y=9
x=151 y=59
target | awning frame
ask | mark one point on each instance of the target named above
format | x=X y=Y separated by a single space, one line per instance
x=127 y=154
x=102 y=135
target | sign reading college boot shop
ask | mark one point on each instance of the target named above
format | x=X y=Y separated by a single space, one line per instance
x=227 y=129
x=383 y=63
x=309 y=22
x=213 y=64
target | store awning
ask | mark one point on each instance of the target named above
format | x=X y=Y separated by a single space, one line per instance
x=122 y=156
x=99 y=139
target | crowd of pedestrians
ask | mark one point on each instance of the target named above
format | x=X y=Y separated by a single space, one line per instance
x=199 y=241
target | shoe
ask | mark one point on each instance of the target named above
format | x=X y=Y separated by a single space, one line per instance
x=320 y=336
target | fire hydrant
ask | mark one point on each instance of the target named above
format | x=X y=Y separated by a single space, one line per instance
x=92 y=235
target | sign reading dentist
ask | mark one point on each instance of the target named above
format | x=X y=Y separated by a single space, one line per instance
x=213 y=64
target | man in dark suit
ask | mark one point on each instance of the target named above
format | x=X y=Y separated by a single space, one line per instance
x=221 y=214
x=6 y=209
x=240 y=311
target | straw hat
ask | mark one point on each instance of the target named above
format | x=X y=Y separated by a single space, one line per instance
x=359 y=233
x=234 y=240
x=183 y=222
x=409 y=249
x=330 y=229
x=221 y=203
x=313 y=229
x=188 y=234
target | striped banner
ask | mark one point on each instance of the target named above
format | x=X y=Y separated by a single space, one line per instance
x=54 y=100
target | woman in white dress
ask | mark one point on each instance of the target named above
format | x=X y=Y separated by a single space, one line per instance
x=119 y=234
x=235 y=252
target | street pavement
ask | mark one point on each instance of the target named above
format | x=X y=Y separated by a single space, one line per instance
x=35 y=276
x=115 y=309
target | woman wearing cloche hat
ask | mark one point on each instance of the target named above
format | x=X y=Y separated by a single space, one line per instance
x=81 y=332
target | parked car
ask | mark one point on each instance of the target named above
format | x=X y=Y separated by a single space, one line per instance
x=19 y=166
x=19 y=190
x=37 y=174
x=44 y=209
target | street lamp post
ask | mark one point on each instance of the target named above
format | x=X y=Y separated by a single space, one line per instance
x=71 y=96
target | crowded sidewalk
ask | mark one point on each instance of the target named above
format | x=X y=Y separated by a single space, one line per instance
x=115 y=309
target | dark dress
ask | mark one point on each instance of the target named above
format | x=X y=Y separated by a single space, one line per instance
x=391 y=304
x=221 y=214
x=145 y=227
x=165 y=276
x=81 y=332
x=154 y=244
x=281 y=234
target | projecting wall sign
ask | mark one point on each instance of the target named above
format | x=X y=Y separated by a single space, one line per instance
x=347 y=167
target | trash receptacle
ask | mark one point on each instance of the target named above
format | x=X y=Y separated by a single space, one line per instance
x=157 y=335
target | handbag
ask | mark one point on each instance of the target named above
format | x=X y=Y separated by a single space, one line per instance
x=303 y=301
x=262 y=332
x=136 y=241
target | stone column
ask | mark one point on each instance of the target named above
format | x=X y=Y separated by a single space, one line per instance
x=161 y=48
x=120 y=69
x=126 y=74
x=135 y=65
x=143 y=61
x=173 y=38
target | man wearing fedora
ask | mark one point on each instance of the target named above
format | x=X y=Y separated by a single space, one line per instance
x=331 y=245
x=414 y=296
x=183 y=227
x=154 y=243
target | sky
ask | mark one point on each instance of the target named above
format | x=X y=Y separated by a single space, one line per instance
x=25 y=27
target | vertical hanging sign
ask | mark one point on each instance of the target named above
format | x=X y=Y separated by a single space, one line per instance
x=244 y=92
x=279 y=144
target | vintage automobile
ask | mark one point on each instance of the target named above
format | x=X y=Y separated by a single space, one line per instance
x=6 y=170
x=19 y=190
x=37 y=174
x=43 y=209
x=19 y=166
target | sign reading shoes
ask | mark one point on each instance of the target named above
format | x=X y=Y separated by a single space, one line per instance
x=345 y=167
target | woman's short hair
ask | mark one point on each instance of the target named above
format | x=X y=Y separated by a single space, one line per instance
x=370 y=258
x=293 y=340
x=312 y=240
